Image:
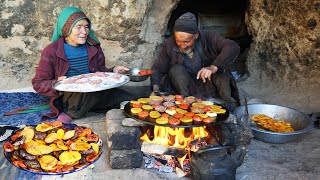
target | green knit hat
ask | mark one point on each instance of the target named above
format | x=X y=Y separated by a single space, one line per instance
x=67 y=18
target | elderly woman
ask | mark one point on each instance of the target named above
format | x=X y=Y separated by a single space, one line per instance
x=74 y=45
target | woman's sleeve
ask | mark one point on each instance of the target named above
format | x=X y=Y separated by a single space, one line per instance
x=101 y=60
x=45 y=76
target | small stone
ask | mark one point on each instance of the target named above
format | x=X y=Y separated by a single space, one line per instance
x=166 y=169
x=131 y=122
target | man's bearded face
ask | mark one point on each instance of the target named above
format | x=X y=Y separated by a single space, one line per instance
x=185 y=41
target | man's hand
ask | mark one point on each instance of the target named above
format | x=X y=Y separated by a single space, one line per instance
x=155 y=90
x=120 y=69
x=206 y=72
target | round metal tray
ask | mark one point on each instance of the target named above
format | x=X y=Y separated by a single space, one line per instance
x=107 y=83
x=151 y=121
x=8 y=156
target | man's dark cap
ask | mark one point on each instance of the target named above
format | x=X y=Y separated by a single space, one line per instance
x=186 y=23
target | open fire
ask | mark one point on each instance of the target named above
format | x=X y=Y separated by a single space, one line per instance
x=175 y=137
x=183 y=140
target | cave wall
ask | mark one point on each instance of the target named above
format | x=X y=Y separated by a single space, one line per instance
x=283 y=59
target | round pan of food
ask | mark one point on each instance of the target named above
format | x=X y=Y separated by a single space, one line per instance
x=53 y=148
x=176 y=111
x=276 y=124
x=138 y=75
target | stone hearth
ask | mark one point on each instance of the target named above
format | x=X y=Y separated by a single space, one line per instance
x=124 y=146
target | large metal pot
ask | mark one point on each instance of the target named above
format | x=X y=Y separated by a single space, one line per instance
x=300 y=122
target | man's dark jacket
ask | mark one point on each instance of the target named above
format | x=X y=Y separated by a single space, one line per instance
x=219 y=51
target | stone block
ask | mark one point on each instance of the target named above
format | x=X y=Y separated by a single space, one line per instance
x=121 y=137
x=126 y=159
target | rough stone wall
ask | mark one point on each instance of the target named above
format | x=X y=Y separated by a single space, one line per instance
x=130 y=31
x=284 y=59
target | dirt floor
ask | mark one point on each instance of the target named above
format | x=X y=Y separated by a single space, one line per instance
x=298 y=160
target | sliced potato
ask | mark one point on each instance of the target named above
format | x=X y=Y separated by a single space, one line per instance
x=39 y=141
x=69 y=157
x=48 y=162
x=51 y=137
x=81 y=139
x=61 y=145
x=69 y=134
x=95 y=147
x=80 y=146
x=43 y=127
x=38 y=149
x=55 y=147
x=60 y=133
x=28 y=133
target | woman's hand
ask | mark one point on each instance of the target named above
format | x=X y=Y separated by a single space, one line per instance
x=206 y=72
x=120 y=69
x=62 y=78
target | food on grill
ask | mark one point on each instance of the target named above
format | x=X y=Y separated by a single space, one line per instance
x=137 y=105
x=147 y=107
x=271 y=124
x=143 y=100
x=154 y=114
x=136 y=110
x=202 y=115
x=143 y=114
x=162 y=120
x=178 y=107
x=58 y=148
x=186 y=120
x=211 y=114
x=178 y=115
x=160 y=108
x=197 y=118
x=208 y=120
x=171 y=111
x=189 y=114
x=174 y=121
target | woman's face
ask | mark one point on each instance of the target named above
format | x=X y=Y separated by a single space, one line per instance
x=79 y=33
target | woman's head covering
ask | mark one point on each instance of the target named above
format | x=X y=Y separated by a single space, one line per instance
x=67 y=18
x=186 y=23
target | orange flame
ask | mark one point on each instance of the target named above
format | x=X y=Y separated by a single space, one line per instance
x=181 y=160
x=175 y=137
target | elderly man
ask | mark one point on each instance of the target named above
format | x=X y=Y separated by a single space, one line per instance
x=194 y=62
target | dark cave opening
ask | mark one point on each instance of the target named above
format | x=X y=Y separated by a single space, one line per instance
x=225 y=17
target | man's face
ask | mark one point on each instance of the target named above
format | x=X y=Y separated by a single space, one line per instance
x=79 y=33
x=185 y=41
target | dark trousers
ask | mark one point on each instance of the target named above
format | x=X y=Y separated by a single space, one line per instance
x=77 y=105
x=181 y=82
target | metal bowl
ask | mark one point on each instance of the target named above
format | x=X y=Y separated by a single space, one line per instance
x=135 y=77
x=300 y=122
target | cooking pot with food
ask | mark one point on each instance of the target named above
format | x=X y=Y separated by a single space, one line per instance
x=300 y=122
